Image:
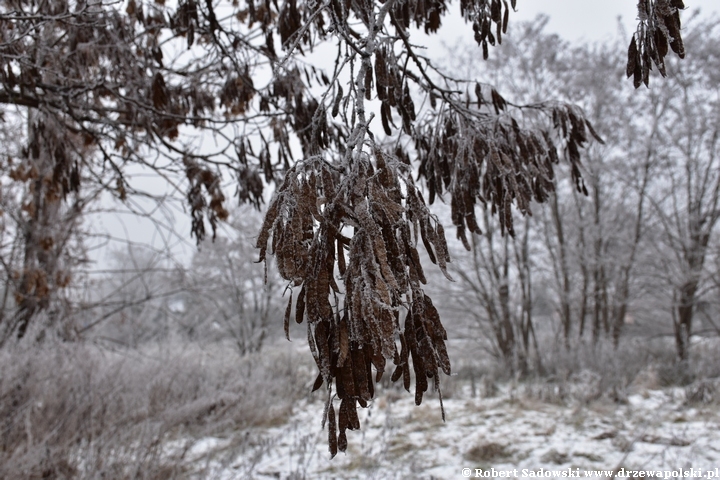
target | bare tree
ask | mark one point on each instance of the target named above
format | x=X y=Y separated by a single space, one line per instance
x=46 y=222
x=686 y=194
x=594 y=253
x=144 y=295
x=100 y=89
x=494 y=287
x=131 y=302
x=225 y=290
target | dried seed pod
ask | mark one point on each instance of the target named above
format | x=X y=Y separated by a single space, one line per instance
x=368 y=80
x=505 y=17
x=332 y=432
x=318 y=383
x=336 y=103
x=632 y=58
x=300 y=306
x=286 y=320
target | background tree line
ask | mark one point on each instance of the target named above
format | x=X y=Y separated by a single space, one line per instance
x=100 y=92
x=637 y=255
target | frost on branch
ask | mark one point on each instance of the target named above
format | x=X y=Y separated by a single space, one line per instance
x=347 y=221
x=483 y=155
x=658 y=28
x=360 y=219
x=363 y=225
x=137 y=84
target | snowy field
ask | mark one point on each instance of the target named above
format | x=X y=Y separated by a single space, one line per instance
x=523 y=427
x=190 y=412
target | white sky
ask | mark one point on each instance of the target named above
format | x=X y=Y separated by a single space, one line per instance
x=591 y=20
x=594 y=19
x=574 y=20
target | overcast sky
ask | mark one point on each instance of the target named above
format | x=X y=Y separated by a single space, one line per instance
x=594 y=19
x=574 y=20
x=591 y=20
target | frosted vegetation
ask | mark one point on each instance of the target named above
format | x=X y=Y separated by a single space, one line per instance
x=179 y=409
x=567 y=320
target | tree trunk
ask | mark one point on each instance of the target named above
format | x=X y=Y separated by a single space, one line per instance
x=699 y=238
x=564 y=273
x=43 y=207
x=623 y=290
x=45 y=228
x=683 y=322
x=527 y=331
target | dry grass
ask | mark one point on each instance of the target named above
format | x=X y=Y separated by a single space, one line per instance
x=74 y=410
x=487 y=452
x=604 y=373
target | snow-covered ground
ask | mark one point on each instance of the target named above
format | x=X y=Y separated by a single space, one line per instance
x=650 y=429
